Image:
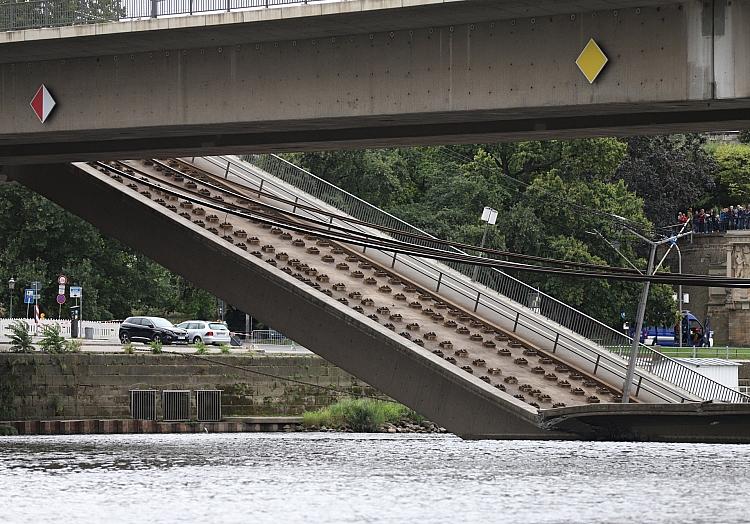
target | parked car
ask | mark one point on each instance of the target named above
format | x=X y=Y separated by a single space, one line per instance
x=207 y=332
x=147 y=329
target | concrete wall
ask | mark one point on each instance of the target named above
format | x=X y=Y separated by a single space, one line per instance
x=356 y=86
x=728 y=309
x=89 y=385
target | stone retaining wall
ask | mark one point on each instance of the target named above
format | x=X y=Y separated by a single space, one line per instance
x=96 y=386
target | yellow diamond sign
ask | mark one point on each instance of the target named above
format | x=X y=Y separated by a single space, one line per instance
x=591 y=61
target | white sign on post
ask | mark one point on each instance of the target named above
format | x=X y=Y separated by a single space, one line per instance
x=61 y=289
x=489 y=215
x=75 y=291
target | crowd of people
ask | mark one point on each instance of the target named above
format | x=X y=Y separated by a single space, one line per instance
x=717 y=220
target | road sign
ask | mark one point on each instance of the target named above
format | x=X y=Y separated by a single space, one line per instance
x=28 y=296
x=42 y=103
x=76 y=291
x=61 y=299
x=61 y=289
x=62 y=280
x=35 y=285
x=591 y=61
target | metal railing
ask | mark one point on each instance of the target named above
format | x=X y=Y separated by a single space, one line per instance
x=529 y=300
x=18 y=14
x=269 y=337
x=104 y=330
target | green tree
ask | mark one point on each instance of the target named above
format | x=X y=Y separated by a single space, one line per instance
x=42 y=241
x=671 y=173
x=734 y=173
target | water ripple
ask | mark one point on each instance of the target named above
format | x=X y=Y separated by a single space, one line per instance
x=349 y=478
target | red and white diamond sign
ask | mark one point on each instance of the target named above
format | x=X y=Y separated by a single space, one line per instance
x=42 y=103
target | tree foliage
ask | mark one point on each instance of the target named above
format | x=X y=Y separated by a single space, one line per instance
x=671 y=173
x=734 y=173
x=42 y=241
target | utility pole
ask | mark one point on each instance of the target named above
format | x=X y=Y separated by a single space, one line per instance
x=640 y=313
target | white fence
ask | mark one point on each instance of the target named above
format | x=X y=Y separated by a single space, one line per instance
x=106 y=331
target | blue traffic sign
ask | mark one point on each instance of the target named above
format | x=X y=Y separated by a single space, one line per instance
x=28 y=296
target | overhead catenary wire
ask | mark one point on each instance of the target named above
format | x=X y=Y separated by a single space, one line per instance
x=385 y=229
x=366 y=240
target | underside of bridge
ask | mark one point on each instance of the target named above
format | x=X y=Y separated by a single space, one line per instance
x=356 y=74
x=460 y=366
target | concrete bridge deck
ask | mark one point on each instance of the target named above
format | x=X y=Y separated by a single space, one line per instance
x=373 y=73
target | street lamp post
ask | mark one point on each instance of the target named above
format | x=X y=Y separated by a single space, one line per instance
x=489 y=217
x=680 y=298
x=11 y=287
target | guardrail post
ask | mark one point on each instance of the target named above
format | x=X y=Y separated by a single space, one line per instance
x=515 y=324
x=330 y=223
x=260 y=187
x=226 y=171
x=393 y=264
x=557 y=339
x=296 y=200
x=476 y=304
x=154 y=8
x=638 y=387
x=229 y=5
x=440 y=278
x=596 y=365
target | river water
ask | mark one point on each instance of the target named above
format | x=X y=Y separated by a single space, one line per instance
x=354 y=478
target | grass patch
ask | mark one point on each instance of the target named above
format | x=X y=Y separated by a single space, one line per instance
x=362 y=415
x=714 y=352
x=156 y=347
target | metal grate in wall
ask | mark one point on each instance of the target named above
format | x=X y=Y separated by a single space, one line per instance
x=143 y=404
x=208 y=402
x=176 y=405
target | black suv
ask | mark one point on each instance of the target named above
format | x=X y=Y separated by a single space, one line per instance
x=147 y=329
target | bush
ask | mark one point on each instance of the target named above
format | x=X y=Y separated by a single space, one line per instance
x=20 y=338
x=74 y=346
x=200 y=348
x=156 y=347
x=362 y=415
x=52 y=341
x=128 y=348
x=224 y=348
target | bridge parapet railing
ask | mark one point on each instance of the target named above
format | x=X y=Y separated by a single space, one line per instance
x=101 y=330
x=576 y=332
x=34 y=14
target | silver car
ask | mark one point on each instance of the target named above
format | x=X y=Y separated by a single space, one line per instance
x=207 y=332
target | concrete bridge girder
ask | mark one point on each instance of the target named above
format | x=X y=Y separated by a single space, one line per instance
x=675 y=66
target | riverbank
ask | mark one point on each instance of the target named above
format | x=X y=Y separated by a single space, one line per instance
x=245 y=425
